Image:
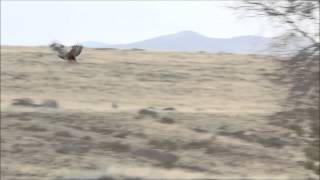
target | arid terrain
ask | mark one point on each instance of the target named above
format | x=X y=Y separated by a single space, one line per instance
x=146 y=115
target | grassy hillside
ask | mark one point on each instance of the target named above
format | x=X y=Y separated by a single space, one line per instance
x=135 y=113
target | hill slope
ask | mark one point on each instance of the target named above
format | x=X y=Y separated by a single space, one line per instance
x=148 y=115
x=192 y=41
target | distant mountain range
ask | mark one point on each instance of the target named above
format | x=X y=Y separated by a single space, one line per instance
x=193 y=41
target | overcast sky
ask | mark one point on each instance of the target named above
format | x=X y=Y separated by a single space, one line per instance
x=35 y=23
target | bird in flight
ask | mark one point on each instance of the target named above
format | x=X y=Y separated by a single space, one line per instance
x=64 y=53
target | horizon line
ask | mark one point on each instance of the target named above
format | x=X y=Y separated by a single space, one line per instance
x=97 y=41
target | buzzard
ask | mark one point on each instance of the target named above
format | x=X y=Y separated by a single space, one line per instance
x=63 y=53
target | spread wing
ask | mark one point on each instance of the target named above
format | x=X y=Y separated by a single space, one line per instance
x=59 y=48
x=75 y=51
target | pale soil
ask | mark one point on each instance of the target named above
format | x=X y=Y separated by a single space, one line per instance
x=221 y=124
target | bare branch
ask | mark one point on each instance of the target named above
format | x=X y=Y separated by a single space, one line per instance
x=281 y=12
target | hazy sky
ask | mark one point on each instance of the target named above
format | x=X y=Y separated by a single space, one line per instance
x=34 y=22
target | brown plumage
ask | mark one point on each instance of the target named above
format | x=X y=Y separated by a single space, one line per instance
x=63 y=53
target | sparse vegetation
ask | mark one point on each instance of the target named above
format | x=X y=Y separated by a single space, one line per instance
x=105 y=49
x=312 y=152
x=114 y=146
x=34 y=128
x=148 y=112
x=167 y=120
x=312 y=166
x=302 y=68
x=166 y=159
x=136 y=49
x=28 y=102
x=216 y=150
x=199 y=96
x=63 y=134
x=49 y=103
x=197 y=144
x=275 y=142
x=164 y=144
x=298 y=129
x=169 y=109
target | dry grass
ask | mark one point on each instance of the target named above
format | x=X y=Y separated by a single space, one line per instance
x=213 y=116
